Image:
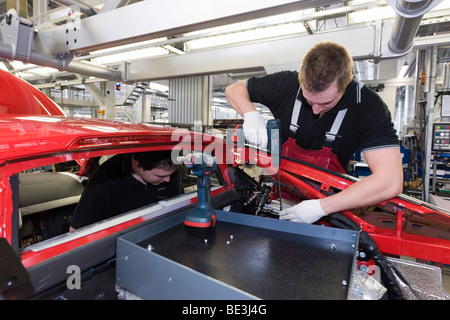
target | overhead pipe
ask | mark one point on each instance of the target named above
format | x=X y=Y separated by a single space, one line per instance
x=65 y=62
x=62 y=62
x=406 y=23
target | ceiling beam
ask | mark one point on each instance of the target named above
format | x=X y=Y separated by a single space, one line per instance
x=152 y=19
x=265 y=54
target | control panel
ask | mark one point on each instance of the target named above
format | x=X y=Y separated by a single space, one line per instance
x=441 y=137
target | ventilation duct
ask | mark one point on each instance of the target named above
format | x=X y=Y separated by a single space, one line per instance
x=407 y=22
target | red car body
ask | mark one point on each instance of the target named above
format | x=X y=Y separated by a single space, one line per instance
x=35 y=132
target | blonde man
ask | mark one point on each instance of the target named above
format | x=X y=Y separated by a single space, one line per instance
x=325 y=116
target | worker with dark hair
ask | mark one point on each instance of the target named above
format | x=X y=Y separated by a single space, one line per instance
x=126 y=182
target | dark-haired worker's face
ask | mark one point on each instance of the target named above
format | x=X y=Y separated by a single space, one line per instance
x=156 y=176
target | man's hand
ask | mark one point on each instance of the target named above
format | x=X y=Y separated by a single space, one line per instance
x=255 y=131
x=307 y=211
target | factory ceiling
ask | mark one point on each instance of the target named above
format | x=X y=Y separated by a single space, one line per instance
x=51 y=43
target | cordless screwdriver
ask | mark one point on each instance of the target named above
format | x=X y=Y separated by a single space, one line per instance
x=201 y=221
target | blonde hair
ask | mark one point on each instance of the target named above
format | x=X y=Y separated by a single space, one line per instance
x=325 y=63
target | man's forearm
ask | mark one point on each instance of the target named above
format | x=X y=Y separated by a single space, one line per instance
x=360 y=194
x=238 y=98
x=385 y=182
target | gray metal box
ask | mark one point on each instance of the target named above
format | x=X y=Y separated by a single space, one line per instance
x=248 y=257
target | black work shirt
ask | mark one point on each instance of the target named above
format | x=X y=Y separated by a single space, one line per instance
x=367 y=124
x=113 y=190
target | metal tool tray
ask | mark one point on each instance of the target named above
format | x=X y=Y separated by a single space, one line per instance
x=248 y=257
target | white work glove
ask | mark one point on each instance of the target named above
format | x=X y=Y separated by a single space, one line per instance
x=307 y=211
x=255 y=131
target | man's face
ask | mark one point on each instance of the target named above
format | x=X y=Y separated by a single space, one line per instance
x=155 y=176
x=324 y=101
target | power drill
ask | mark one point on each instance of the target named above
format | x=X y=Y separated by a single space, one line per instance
x=201 y=221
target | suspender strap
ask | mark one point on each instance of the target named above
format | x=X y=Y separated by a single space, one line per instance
x=331 y=135
x=359 y=86
x=295 y=114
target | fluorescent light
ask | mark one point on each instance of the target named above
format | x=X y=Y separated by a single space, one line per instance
x=257 y=34
x=158 y=87
x=131 y=46
x=173 y=49
x=131 y=55
x=368 y=15
x=256 y=23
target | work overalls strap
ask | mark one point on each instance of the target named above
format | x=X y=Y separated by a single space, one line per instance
x=324 y=157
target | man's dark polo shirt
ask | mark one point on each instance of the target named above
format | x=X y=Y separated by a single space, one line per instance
x=367 y=124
